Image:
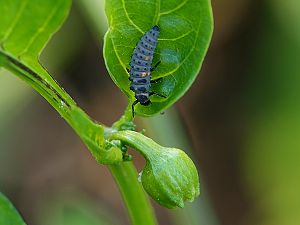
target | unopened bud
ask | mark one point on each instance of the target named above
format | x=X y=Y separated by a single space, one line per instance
x=170 y=176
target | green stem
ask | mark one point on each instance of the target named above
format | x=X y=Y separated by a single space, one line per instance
x=92 y=134
x=144 y=145
x=126 y=120
x=135 y=199
x=49 y=89
x=125 y=174
x=46 y=86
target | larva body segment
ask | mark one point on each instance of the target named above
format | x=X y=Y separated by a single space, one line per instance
x=141 y=67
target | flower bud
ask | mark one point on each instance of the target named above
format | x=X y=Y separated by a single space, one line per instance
x=170 y=176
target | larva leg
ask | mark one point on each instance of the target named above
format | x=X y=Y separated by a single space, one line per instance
x=156 y=80
x=154 y=67
x=158 y=94
x=132 y=107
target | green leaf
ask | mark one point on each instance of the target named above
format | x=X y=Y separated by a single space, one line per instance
x=8 y=214
x=186 y=29
x=27 y=25
x=25 y=28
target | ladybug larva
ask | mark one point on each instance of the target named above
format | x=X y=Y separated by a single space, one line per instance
x=141 y=68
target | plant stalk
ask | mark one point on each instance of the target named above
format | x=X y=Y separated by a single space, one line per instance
x=137 y=204
x=124 y=173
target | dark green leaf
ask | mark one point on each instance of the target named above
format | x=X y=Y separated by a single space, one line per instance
x=186 y=29
x=8 y=214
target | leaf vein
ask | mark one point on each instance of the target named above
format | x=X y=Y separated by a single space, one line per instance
x=174 y=9
x=157 y=10
x=176 y=38
x=188 y=55
x=40 y=30
x=130 y=21
x=117 y=55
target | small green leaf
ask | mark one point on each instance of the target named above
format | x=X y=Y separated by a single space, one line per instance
x=185 y=33
x=8 y=214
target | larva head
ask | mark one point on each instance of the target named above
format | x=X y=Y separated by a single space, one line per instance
x=143 y=98
x=153 y=32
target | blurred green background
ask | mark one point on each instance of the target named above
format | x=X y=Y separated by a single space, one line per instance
x=241 y=117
